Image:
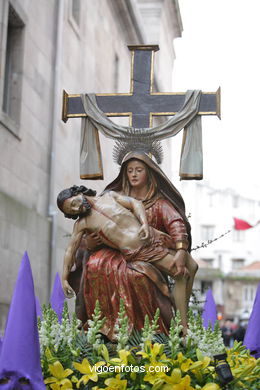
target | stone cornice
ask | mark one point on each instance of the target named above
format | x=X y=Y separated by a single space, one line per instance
x=178 y=27
x=129 y=19
x=132 y=15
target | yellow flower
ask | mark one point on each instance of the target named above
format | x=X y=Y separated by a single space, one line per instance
x=59 y=379
x=49 y=356
x=123 y=357
x=116 y=383
x=183 y=363
x=90 y=373
x=175 y=376
x=103 y=351
x=151 y=351
x=186 y=364
x=211 y=386
x=244 y=370
x=66 y=386
x=180 y=359
x=204 y=363
x=243 y=365
x=198 y=368
x=154 y=371
x=183 y=384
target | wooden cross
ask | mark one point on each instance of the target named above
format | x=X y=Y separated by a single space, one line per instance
x=141 y=103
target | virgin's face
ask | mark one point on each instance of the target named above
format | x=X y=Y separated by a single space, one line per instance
x=137 y=174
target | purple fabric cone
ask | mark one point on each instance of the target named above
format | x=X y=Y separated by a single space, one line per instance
x=38 y=307
x=252 y=336
x=209 y=314
x=1 y=343
x=57 y=297
x=20 y=356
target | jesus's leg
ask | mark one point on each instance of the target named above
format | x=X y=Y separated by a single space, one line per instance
x=179 y=299
x=166 y=264
x=179 y=294
x=182 y=291
x=192 y=267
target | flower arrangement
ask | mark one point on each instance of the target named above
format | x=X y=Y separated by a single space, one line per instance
x=74 y=359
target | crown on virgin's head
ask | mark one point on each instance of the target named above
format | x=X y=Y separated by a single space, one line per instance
x=137 y=141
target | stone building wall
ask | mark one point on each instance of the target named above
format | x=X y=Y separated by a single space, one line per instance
x=25 y=134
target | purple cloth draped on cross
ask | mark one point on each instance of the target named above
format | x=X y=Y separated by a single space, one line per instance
x=209 y=314
x=252 y=336
x=20 y=356
x=57 y=297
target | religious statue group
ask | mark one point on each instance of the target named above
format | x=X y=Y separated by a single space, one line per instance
x=132 y=242
x=128 y=243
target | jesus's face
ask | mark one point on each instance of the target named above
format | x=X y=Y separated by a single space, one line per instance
x=137 y=174
x=75 y=205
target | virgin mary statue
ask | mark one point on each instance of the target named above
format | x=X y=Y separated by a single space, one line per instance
x=108 y=277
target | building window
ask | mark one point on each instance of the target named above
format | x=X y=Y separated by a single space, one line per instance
x=207 y=232
x=209 y=262
x=249 y=294
x=220 y=261
x=12 y=92
x=116 y=73
x=205 y=286
x=75 y=11
x=238 y=263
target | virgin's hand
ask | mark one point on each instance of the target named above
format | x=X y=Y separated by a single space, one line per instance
x=144 y=233
x=67 y=289
x=93 y=240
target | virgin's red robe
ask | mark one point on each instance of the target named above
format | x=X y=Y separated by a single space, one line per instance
x=108 y=277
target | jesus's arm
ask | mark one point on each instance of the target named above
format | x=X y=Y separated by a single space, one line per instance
x=69 y=259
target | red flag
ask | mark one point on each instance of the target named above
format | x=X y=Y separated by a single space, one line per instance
x=240 y=224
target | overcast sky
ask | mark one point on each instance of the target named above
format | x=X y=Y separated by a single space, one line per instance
x=220 y=46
